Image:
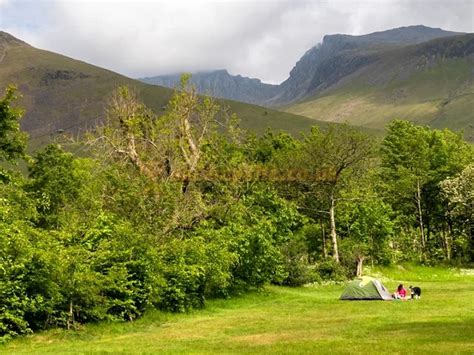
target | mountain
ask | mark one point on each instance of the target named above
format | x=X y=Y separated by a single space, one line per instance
x=219 y=83
x=321 y=66
x=417 y=73
x=429 y=83
x=340 y=55
x=62 y=94
x=365 y=80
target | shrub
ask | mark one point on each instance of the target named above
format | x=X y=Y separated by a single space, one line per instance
x=297 y=270
x=329 y=269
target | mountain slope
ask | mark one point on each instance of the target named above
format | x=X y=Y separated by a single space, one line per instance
x=417 y=73
x=220 y=83
x=320 y=67
x=428 y=83
x=59 y=93
x=340 y=55
x=62 y=94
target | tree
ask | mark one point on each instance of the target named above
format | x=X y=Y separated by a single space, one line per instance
x=414 y=160
x=12 y=140
x=406 y=161
x=53 y=182
x=366 y=226
x=332 y=157
x=166 y=147
x=459 y=191
x=167 y=151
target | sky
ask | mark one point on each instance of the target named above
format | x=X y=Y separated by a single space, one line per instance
x=258 y=38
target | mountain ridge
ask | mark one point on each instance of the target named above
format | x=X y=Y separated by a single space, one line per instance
x=430 y=83
x=219 y=83
x=418 y=73
x=62 y=94
x=297 y=86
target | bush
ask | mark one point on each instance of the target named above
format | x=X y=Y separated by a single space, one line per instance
x=183 y=270
x=297 y=270
x=28 y=294
x=329 y=269
x=195 y=268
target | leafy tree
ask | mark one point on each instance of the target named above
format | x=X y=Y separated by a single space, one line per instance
x=270 y=147
x=27 y=290
x=366 y=227
x=414 y=160
x=406 y=161
x=53 y=182
x=164 y=147
x=459 y=191
x=12 y=140
x=332 y=158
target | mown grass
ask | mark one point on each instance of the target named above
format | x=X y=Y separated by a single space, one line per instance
x=293 y=320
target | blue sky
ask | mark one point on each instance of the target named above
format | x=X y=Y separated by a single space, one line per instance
x=259 y=38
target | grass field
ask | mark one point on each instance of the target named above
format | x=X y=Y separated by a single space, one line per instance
x=293 y=320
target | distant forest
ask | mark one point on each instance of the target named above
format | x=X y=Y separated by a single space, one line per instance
x=168 y=211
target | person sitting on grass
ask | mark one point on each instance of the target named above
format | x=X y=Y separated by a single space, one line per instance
x=400 y=293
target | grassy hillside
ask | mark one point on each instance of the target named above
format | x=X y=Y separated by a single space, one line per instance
x=293 y=320
x=63 y=94
x=428 y=84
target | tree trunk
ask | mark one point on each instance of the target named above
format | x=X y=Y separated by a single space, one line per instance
x=449 y=232
x=471 y=237
x=70 y=319
x=448 y=245
x=323 y=231
x=335 y=253
x=420 y=216
x=360 y=263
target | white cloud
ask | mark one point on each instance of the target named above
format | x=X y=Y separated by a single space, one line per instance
x=255 y=38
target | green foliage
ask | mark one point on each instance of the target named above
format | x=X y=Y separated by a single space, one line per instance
x=338 y=151
x=270 y=146
x=184 y=272
x=170 y=211
x=260 y=226
x=12 y=140
x=366 y=228
x=296 y=267
x=414 y=161
x=330 y=270
x=53 y=183
x=27 y=289
x=459 y=193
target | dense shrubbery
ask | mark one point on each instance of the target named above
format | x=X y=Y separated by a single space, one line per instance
x=169 y=211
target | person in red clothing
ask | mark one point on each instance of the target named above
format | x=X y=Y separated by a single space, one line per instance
x=401 y=293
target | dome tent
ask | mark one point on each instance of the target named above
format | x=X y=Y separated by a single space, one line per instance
x=366 y=288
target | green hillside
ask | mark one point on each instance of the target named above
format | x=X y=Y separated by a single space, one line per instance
x=63 y=94
x=428 y=84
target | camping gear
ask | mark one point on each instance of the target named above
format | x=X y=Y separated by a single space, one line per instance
x=366 y=288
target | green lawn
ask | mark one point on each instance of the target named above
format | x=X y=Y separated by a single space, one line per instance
x=293 y=320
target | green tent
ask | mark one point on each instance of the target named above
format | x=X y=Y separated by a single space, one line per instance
x=366 y=288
